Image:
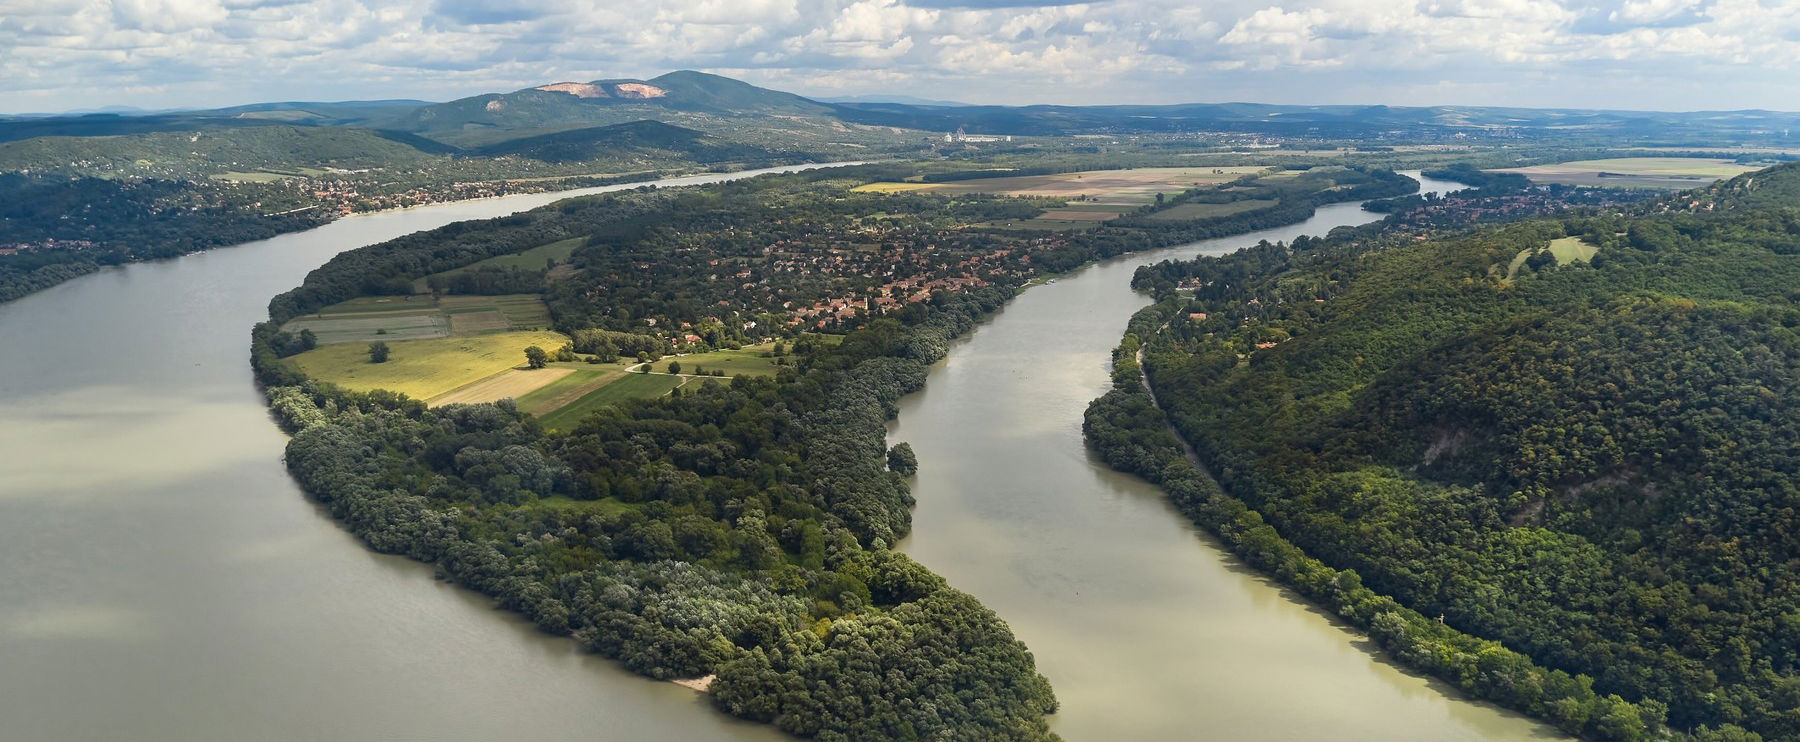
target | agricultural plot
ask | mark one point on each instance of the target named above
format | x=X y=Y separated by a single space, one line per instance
x=1094 y=196
x=553 y=255
x=1189 y=211
x=512 y=383
x=392 y=318
x=1635 y=172
x=1137 y=186
x=578 y=381
x=628 y=386
x=424 y=369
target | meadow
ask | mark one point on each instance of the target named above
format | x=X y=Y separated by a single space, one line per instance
x=416 y=317
x=544 y=256
x=1188 y=211
x=425 y=369
x=629 y=386
x=749 y=361
x=1093 y=196
x=1565 y=249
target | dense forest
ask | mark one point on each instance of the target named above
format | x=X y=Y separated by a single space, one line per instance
x=1573 y=438
x=739 y=529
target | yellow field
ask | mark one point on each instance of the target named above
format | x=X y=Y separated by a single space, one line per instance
x=423 y=369
x=509 y=384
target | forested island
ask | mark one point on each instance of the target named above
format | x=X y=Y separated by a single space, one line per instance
x=1550 y=461
x=738 y=530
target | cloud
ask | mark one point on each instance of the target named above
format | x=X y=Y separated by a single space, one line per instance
x=1676 y=53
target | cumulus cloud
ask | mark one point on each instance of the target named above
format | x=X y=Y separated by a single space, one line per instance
x=57 y=54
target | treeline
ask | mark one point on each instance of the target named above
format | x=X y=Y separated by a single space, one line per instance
x=1590 y=462
x=72 y=226
x=740 y=530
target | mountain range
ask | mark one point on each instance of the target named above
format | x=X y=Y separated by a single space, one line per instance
x=721 y=106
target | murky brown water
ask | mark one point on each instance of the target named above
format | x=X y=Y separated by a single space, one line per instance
x=1145 y=627
x=161 y=578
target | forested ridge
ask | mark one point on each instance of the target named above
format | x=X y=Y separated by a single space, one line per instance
x=1590 y=464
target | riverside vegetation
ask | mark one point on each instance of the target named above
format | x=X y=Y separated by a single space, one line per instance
x=740 y=529
x=1565 y=484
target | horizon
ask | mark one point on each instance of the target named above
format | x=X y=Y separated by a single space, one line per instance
x=124 y=109
x=1626 y=55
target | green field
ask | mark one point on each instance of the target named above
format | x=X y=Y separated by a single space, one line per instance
x=1185 y=212
x=534 y=259
x=583 y=379
x=423 y=369
x=392 y=318
x=750 y=361
x=1566 y=249
x=629 y=386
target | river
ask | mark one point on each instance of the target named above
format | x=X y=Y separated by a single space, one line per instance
x=164 y=579
x=1147 y=628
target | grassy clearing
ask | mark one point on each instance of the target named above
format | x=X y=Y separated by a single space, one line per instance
x=1572 y=250
x=391 y=318
x=1635 y=172
x=750 y=361
x=1185 y=212
x=628 y=386
x=1566 y=250
x=536 y=258
x=423 y=369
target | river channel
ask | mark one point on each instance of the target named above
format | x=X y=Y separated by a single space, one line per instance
x=162 y=579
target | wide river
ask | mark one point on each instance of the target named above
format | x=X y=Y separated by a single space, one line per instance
x=161 y=577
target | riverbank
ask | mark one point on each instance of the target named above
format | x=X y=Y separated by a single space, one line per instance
x=1103 y=578
x=69 y=264
x=168 y=581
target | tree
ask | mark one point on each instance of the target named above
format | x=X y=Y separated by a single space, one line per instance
x=902 y=461
x=674 y=367
x=535 y=357
x=378 y=352
x=308 y=340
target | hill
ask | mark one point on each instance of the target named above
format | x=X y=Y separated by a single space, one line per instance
x=640 y=138
x=710 y=103
x=215 y=150
x=1592 y=462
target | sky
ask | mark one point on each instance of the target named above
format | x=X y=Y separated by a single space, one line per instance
x=58 y=55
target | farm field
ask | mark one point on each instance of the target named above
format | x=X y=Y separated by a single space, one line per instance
x=579 y=380
x=536 y=258
x=1634 y=172
x=1134 y=187
x=628 y=386
x=392 y=318
x=509 y=384
x=423 y=369
x=1094 y=196
x=1184 y=212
